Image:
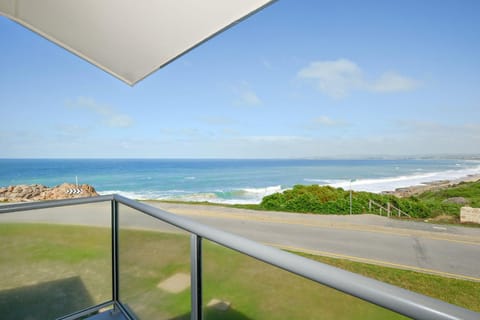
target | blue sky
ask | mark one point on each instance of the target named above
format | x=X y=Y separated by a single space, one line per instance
x=299 y=79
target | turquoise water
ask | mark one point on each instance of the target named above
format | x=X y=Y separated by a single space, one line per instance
x=228 y=181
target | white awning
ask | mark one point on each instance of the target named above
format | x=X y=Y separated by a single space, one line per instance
x=128 y=38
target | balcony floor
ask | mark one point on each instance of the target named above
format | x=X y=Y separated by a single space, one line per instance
x=108 y=315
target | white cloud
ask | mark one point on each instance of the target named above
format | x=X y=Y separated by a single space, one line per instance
x=250 y=98
x=338 y=78
x=335 y=78
x=110 y=116
x=246 y=95
x=392 y=82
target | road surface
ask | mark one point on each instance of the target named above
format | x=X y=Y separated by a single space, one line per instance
x=444 y=250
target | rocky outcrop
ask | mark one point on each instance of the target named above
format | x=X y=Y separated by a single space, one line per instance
x=457 y=200
x=37 y=192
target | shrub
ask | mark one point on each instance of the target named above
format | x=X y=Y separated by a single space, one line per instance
x=329 y=200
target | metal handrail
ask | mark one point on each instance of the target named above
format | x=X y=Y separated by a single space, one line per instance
x=387 y=209
x=25 y=206
x=399 y=300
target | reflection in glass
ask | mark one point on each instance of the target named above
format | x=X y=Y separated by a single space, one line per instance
x=154 y=266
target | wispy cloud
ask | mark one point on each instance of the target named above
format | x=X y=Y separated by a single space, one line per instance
x=335 y=78
x=217 y=121
x=72 y=131
x=445 y=132
x=181 y=132
x=267 y=64
x=110 y=115
x=246 y=96
x=276 y=139
x=326 y=121
x=392 y=82
x=338 y=78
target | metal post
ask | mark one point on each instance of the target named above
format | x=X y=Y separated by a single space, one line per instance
x=350 y=196
x=196 y=277
x=115 y=290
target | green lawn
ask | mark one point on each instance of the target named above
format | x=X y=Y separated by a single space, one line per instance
x=68 y=267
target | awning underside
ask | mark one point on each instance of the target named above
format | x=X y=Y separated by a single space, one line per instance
x=127 y=38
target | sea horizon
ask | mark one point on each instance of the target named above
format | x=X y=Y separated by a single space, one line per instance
x=462 y=156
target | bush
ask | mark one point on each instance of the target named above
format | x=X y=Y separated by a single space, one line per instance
x=329 y=200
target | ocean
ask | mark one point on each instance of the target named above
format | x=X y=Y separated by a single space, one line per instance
x=228 y=181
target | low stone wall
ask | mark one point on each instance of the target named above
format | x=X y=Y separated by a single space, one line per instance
x=468 y=214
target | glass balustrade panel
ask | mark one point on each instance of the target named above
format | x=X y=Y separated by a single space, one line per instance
x=54 y=261
x=154 y=267
x=236 y=286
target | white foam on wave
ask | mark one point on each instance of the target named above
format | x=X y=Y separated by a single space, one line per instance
x=263 y=191
x=392 y=183
x=210 y=197
x=145 y=195
x=324 y=181
x=252 y=195
x=130 y=195
x=236 y=196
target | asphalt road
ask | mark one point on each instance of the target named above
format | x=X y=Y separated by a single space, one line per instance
x=439 y=249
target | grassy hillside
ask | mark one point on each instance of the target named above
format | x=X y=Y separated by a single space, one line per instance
x=468 y=190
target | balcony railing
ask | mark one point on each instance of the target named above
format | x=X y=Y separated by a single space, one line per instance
x=121 y=259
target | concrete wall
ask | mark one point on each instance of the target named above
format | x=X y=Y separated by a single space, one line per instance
x=468 y=214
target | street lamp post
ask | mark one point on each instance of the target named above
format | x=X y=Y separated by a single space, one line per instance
x=351 y=180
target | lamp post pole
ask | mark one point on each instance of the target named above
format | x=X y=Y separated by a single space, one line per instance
x=351 y=180
x=350 y=196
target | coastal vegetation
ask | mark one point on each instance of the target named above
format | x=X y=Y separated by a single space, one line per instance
x=329 y=200
x=470 y=191
x=45 y=261
x=440 y=204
